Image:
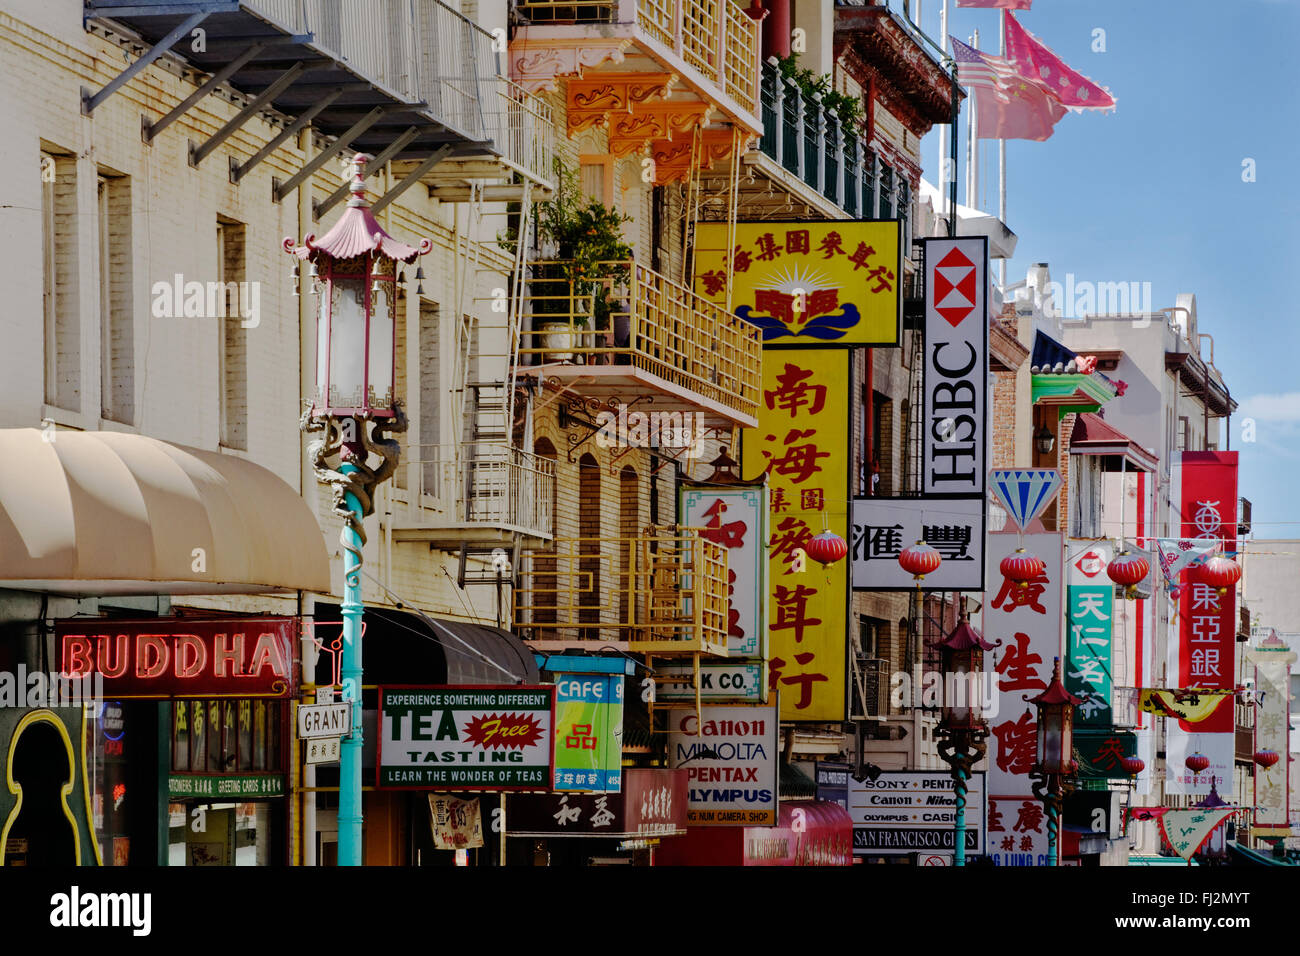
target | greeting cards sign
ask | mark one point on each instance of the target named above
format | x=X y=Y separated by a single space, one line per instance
x=1027 y=622
x=465 y=738
x=736 y=519
x=1205 y=653
x=801 y=442
x=806 y=283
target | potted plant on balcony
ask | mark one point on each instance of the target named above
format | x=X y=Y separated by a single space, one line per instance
x=591 y=262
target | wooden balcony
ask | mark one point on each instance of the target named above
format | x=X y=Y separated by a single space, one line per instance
x=654 y=70
x=618 y=338
x=663 y=592
x=474 y=494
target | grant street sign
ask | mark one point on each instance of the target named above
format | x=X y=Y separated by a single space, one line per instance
x=324 y=720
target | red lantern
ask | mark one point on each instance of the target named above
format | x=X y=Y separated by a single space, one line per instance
x=1197 y=762
x=1022 y=567
x=919 y=560
x=1219 y=572
x=826 y=548
x=1266 y=758
x=1133 y=765
x=1128 y=570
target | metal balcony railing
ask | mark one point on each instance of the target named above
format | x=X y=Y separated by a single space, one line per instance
x=492 y=485
x=662 y=591
x=808 y=141
x=715 y=37
x=641 y=318
x=424 y=51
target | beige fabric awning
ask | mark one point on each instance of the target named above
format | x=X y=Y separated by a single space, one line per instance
x=113 y=513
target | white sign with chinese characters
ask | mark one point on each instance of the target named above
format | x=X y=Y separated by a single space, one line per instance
x=736 y=519
x=1027 y=621
x=883 y=527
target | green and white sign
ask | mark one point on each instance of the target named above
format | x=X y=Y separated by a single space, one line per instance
x=247 y=787
x=465 y=738
x=1088 y=667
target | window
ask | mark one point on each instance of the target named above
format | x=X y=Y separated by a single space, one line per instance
x=1086 y=497
x=116 y=312
x=430 y=408
x=59 y=280
x=231 y=272
x=886 y=210
x=596 y=176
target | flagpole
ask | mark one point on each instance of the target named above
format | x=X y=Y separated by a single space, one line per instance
x=944 y=165
x=1002 y=174
x=972 y=131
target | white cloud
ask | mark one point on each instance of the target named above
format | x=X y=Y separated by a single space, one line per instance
x=1279 y=407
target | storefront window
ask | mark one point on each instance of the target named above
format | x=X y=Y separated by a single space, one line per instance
x=106 y=761
x=226 y=736
x=222 y=834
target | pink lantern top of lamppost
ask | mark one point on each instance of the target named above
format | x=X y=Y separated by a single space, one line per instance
x=354 y=269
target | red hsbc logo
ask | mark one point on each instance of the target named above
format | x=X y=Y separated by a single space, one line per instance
x=954 y=287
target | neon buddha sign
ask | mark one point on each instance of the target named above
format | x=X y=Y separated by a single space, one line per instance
x=179 y=657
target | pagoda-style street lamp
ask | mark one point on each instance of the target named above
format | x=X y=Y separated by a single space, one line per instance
x=354 y=273
x=1052 y=774
x=962 y=728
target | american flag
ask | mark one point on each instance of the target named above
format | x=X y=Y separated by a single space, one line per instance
x=981 y=70
x=1009 y=105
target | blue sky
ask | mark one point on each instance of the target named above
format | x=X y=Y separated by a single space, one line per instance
x=1154 y=191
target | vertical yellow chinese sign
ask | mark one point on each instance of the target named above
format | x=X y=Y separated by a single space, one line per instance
x=802 y=443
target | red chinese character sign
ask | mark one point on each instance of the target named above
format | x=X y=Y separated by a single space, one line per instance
x=1026 y=620
x=801 y=442
x=1205 y=653
x=736 y=519
x=806 y=283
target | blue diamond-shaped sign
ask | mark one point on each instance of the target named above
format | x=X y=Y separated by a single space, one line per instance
x=1025 y=492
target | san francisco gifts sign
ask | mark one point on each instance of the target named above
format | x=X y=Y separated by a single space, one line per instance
x=160 y=658
x=466 y=738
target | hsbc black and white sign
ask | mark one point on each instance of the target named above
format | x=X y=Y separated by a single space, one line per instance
x=955 y=435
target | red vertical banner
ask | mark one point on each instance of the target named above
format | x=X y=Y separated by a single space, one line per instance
x=1208 y=619
x=1205 y=653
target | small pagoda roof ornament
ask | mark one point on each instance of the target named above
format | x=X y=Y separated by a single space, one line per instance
x=357 y=233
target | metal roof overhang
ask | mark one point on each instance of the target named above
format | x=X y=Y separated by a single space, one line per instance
x=231 y=28
x=1093 y=435
x=1192 y=373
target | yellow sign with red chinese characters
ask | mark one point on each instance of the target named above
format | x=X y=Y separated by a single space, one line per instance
x=806 y=283
x=802 y=444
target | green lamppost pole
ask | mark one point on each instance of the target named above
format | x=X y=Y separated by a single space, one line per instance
x=354 y=273
x=962 y=729
x=1053 y=774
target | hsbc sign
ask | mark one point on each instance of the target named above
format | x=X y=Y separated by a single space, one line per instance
x=955 y=437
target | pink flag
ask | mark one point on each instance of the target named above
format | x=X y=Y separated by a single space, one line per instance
x=997 y=4
x=1032 y=59
x=1009 y=105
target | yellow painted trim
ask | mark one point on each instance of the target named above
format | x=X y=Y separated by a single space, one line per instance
x=49 y=717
